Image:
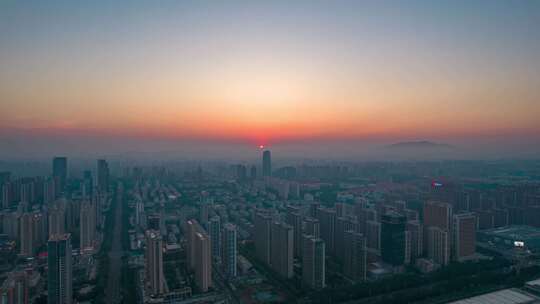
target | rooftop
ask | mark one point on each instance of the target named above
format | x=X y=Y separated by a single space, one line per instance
x=516 y=232
x=505 y=296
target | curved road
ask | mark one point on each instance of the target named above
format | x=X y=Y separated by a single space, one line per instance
x=113 y=292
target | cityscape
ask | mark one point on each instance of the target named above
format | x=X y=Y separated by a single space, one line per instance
x=190 y=232
x=246 y=152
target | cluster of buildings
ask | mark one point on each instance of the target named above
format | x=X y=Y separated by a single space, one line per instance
x=368 y=230
x=361 y=234
x=368 y=238
x=209 y=245
x=40 y=217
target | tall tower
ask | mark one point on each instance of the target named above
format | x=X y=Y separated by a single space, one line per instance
x=327 y=220
x=354 y=265
x=312 y=227
x=267 y=164
x=393 y=238
x=438 y=214
x=191 y=228
x=214 y=227
x=26 y=234
x=60 y=173
x=102 y=175
x=88 y=184
x=87 y=225
x=229 y=250
x=282 y=249
x=416 y=232
x=294 y=218
x=373 y=235
x=6 y=195
x=438 y=248
x=203 y=261
x=263 y=236
x=57 y=221
x=343 y=224
x=204 y=212
x=313 y=262
x=59 y=275
x=49 y=191
x=154 y=262
x=464 y=236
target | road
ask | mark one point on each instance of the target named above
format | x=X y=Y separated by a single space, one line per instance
x=113 y=292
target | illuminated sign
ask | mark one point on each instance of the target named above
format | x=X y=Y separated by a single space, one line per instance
x=519 y=244
x=436 y=184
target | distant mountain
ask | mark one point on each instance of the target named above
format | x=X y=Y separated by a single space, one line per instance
x=423 y=144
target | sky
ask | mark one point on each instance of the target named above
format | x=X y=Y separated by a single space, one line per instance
x=269 y=72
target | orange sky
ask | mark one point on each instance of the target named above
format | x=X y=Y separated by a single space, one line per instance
x=271 y=73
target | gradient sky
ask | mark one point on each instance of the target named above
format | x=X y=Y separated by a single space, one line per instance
x=271 y=71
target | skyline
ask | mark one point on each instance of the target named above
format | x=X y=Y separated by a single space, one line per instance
x=269 y=151
x=271 y=73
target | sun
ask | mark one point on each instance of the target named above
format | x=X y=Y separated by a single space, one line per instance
x=261 y=146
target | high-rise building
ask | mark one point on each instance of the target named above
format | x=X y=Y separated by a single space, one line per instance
x=199 y=254
x=154 y=262
x=267 y=164
x=240 y=172
x=39 y=226
x=373 y=235
x=229 y=250
x=87 y=225
x=438 y=214
x=294 y=190
x=203 y=261
x=313 y=262
x=438 y=245
x=344 y=209
x=263 y=236
x=88 y=184
x=312 y=227
x=327 y=220
x=464 y=236
x=407 y=259
x=204 y=212
x=27 y=192
x=59 y=273
x=214 y=227
x=282 y=249
x=393 y=242
x=5 y=176
x=10 y=224
x=294 y=219
x=60 y=173
x=253 y=172
x=26 y=237
x=314 y=209
x=14 y=289
x=155 y=222
x=49 y=193
x=354 y=264
x=343 y=224
x=139 y=210
x=103 y=175
x=191 y=228
x=416 y=233
x=6 y=195
x=57 y=221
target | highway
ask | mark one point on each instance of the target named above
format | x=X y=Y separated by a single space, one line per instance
x=113 y=292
